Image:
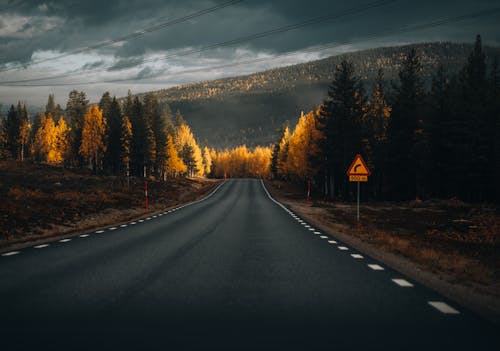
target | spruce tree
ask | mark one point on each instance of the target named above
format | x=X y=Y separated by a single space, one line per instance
x=76 y=108
x=405 y=139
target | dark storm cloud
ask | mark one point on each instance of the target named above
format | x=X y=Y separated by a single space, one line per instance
x=84 y=23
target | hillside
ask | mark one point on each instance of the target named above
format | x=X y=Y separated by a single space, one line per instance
x=250 y=109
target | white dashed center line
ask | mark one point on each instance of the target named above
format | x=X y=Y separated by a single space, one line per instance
x=64 y=240
x=343 y=248
x=332 y=241
x=99 y=232
x=402 y=282
x=376 y=267
x=12 y=253
x=443 y=307
x=84 y=236
x=356 y=256
x=41 y=246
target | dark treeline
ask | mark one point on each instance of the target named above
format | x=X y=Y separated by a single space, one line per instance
x=439 y=143
x=135 y=137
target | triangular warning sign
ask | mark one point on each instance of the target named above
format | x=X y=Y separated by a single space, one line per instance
x=358 y=167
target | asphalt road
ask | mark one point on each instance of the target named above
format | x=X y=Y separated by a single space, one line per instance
x=235 y=270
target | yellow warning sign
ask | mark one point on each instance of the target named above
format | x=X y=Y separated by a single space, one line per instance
x=358 y=172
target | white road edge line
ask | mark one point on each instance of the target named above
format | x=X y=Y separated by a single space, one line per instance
x=123 y=226
x=323 y=237
x=64 y=240
x=99 y=232
x=403 y=283
x=41 y=246
x=443 y=307
x=84 y=236
x=332 y=241
x=12 y=253
x=343 y=248
x=112 y=228
x=358 y=256
x=376 y=267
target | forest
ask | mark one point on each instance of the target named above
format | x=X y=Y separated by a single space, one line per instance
x=420 y=141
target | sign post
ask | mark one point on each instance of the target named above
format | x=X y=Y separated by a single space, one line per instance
x=358 y=172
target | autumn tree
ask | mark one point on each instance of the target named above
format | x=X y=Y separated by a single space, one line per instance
x=173 y=165
x=183 y=137
x=188 y=158
x=45 y=139
x=207 y=160
x=93 y=143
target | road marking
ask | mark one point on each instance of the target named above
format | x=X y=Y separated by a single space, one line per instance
x=12 y=253
x=443 y=307
x=141 y=220
x=317 y=232
x=112 y=228
x=133 y=223
x=41 y=246
x=148 y=219
x=123 y=226
x=332 y=241
x=356 y=256
x=307 y=226
x=323 y=237
x=161 y=214
x=84 y=236
x=99 y=232
x=64 y=240
x=376 y=267
x=343 y=248
x=402 y=282
x=312 y=229
x=155 y=216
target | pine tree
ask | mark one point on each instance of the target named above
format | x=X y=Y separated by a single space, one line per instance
x=111 y=111
x=375 y=123
x=187 y=156
x=126 y=138
x=93 y=143
x=76 y=108
x=340 y=121
x=139 y=139
x=50 y=107
x=404 y=138
x=12 y=126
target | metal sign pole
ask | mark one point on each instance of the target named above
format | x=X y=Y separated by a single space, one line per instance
x=358 y=202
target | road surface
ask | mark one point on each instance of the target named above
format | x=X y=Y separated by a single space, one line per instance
x=235 y=270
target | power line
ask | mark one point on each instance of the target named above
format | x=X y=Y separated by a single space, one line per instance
x=130 y=36
x=312 y=21
x=387 y=33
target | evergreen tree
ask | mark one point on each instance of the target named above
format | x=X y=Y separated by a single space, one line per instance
x=76 y=108
x=111 y=111
x=187 y=156
x=12 y=127
x=50 y=107
x=405 y=131
x=139 y=138
x=375 y=123
x=340 y=121
x=126 y=139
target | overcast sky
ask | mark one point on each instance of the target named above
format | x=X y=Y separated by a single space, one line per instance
x=35 y=33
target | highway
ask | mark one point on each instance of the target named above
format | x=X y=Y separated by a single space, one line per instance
x=236 y=270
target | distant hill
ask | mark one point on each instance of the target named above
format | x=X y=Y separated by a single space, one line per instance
x=251 y=109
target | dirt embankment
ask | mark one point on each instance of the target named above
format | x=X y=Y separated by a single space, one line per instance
x=42 y=201
x=450 y=246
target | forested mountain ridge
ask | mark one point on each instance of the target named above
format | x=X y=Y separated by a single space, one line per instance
x=251 y=109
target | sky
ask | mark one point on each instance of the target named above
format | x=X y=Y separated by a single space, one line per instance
x=53 y=47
